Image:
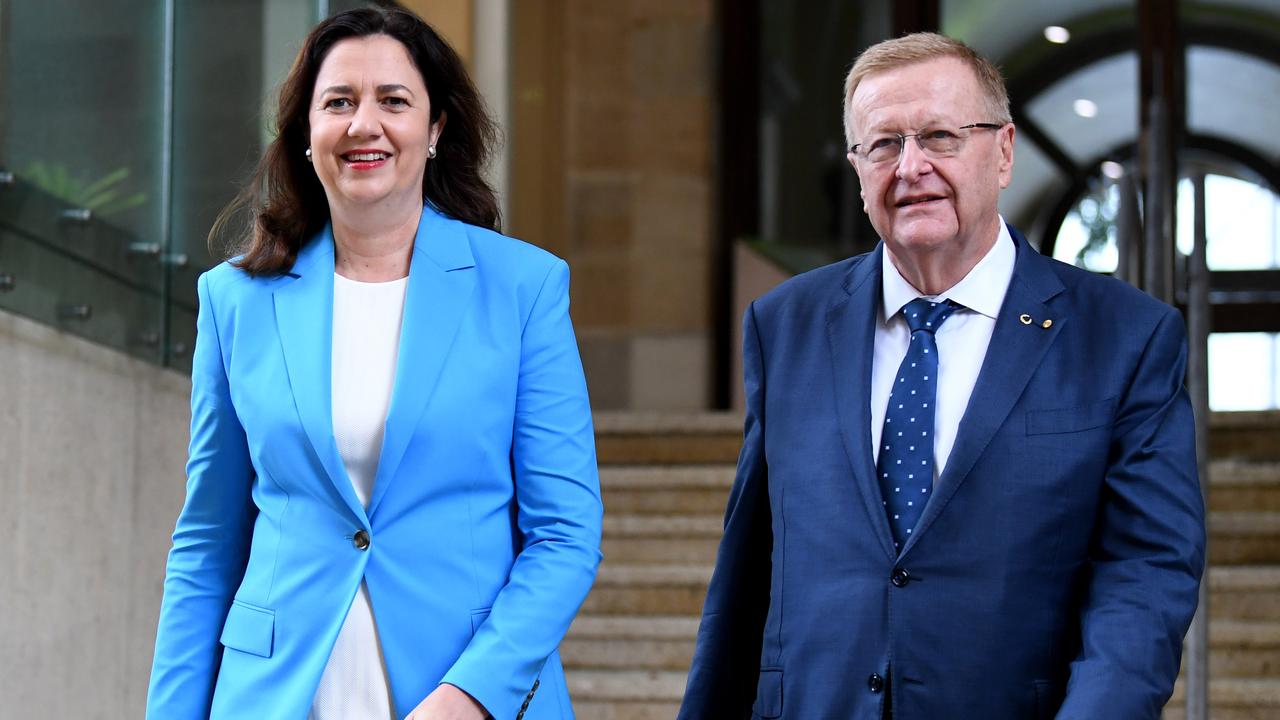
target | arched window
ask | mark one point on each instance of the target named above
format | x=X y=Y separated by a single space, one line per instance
x=1242 y=227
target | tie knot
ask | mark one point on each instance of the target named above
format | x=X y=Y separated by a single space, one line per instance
x=926 y=314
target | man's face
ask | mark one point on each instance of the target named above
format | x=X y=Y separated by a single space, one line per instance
x=921 y=204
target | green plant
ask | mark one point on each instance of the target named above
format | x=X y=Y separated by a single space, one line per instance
x=1098 y=212
x=105 y=196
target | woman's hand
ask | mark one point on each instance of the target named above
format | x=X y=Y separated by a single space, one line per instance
x=448 y=702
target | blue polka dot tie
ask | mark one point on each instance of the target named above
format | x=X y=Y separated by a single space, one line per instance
x=906 y=444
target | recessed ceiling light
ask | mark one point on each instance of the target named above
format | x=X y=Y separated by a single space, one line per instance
x=1113 y=169
x=1057 y=34
x=1085 y=108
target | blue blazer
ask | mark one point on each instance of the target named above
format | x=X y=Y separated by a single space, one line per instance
x=1055 y=568
x=483 y=529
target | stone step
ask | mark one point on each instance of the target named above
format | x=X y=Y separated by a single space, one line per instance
x=704 y=489
x=1243 y=648
x=1245 y=592
x=636 y=694
x=1244 y=538
x=661 y=539
x=1236 y=593
x=668 y=438
x=626 y=685
x=625 y=710
x=651 y=642
x=1245 y=435
x=1239 y=485
x=715 y=437
x=649 y=590
x=1233 y=699
x=1236 y=538
x=666 y=489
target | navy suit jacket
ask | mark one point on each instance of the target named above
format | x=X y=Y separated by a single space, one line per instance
x=1055 y=569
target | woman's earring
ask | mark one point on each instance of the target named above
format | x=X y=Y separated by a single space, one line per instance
x=431 y=151
x=308 y=154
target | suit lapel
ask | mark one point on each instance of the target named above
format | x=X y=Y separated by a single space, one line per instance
x=1013 y=355
x=304 y=318
x=441 y=280
x=851 y=325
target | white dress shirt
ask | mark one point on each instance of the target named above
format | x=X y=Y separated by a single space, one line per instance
x=366 y=343
x=962 y=341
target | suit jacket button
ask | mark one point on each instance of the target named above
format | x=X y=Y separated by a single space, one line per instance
x=361 y=540
x=900 y=577
x=875 y=682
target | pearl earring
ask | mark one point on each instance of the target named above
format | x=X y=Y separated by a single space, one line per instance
x=308 y=154
x=431 y=151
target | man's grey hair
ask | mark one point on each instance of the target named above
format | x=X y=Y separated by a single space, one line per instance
x=923 y=47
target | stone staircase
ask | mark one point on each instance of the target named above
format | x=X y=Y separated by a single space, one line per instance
x=1244 y=573
x=665 y=480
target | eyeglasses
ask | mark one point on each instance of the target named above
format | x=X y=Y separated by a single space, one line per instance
x=934 y=142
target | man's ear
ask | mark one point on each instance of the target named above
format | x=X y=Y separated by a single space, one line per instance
x=1005 y=139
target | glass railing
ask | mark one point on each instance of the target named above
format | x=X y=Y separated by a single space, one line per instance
x=124 y=128
x=63 y=266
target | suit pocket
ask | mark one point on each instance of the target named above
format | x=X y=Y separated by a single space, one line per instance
x=1070 y=420
x=769 y=693
x=477 y=619
x=249 y=629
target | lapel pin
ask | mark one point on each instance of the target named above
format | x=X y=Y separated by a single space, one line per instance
x=1025 y=318
x=1046 y=324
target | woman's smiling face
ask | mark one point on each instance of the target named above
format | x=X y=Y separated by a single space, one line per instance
x=370 y=121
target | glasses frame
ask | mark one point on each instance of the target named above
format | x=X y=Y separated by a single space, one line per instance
x=902 y=140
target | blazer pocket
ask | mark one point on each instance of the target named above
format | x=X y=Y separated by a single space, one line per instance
x=1069 y=420
x=769 y=693
x=249 y=629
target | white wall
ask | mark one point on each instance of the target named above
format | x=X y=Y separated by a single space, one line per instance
x=92 y=448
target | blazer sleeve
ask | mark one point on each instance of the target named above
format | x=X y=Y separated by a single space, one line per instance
x=210 y=541
x=726 y=660
x=559 y=515
x=1148 y=551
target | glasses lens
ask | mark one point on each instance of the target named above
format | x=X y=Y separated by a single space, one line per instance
x=884 y=149
x=939 y=141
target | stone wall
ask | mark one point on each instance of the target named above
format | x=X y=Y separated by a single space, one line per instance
x=92 y=448
x=613 y=115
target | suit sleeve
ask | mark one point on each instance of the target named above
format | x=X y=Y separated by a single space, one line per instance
x=210 y=541
x=726 y=659
x=1148 y=550
x=557 y=489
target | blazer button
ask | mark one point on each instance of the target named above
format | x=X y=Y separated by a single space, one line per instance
x=875 y=682
x=900 y=577
x=361 y=540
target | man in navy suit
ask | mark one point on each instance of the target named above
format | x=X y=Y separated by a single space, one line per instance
x=967 y=487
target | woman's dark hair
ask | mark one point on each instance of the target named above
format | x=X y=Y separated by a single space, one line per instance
x=286 y=199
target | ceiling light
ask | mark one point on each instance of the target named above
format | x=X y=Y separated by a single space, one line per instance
x=1085 y=108
x=1113 y=169
x=1057 y=34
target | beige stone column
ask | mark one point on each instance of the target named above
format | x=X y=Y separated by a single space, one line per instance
x=613 y=111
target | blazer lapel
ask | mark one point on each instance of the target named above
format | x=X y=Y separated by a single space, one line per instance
x=851 y=326
x=1013 y=356
x=304 y=319
x=441 y=280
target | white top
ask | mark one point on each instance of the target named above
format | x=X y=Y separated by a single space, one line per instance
x=962 y=341
x=366 y=343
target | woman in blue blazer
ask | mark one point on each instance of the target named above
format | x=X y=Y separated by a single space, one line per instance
x=436 y=560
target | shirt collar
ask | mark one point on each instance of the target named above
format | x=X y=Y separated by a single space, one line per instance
x=982 y=290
